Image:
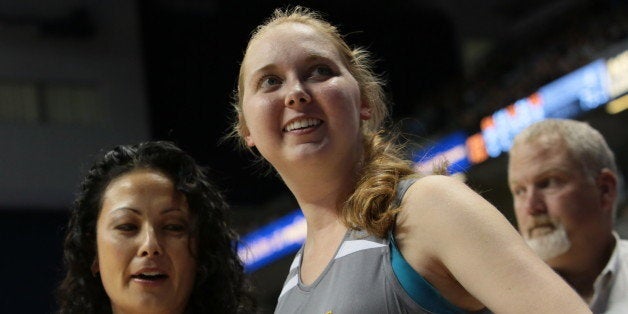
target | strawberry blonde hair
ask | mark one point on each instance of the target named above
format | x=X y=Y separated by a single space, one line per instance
x=370 y=206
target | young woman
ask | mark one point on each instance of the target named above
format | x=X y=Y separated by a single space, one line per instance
x=379 y=239
x=147 y=234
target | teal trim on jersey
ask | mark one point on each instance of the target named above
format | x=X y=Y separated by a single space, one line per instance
x=421 y=291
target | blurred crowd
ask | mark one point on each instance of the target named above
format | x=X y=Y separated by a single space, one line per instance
x=514 y=70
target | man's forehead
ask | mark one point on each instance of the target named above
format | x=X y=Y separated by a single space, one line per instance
x=535 y=158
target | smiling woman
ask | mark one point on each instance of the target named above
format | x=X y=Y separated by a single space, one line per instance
x=380 y=238
x=147 y=233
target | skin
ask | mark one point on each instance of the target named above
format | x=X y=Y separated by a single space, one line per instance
x=471 y=254
x=144 y=226
x=291 y=73
x=454 y=246
x=549 y=186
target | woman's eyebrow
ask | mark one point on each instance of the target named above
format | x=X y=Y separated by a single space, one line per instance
x=125 y=208
x=172 y=209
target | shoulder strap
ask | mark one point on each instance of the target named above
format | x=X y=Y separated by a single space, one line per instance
x=402 y=188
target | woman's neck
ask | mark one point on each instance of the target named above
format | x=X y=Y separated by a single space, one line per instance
x=322 y=242
x=322 y=180
x=320 y=196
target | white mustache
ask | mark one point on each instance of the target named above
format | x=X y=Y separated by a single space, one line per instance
x=550 y=245
x=540 y=222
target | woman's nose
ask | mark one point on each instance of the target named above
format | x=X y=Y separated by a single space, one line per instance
x=150 y=244
x=297 y=95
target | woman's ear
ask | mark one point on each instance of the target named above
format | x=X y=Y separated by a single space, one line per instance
x=244 y=131
x=95 y=267
x=607 y=185
x=249 y=141
x=365 y=111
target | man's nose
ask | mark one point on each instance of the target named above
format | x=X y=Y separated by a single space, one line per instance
x=534 y=202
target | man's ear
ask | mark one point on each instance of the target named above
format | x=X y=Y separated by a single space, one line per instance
x=606 y=183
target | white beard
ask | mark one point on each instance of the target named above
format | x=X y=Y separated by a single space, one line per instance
x=550 y=245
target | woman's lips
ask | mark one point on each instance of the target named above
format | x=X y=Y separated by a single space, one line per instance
x=149 y=277
x=302 y=124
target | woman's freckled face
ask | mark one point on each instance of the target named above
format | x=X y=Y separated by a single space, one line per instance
x=299 y=98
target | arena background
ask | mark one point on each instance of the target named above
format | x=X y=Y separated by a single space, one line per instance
x=78 y=76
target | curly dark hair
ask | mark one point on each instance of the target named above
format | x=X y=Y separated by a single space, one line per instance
x=220 y=286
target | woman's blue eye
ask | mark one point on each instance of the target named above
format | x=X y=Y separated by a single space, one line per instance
x=269 y=81
x=322 y=70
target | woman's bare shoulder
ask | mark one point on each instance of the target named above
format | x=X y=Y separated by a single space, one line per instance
x=441 y=195
x=446 y=211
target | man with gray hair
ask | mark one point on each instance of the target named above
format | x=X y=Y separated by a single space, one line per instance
x=564 y=183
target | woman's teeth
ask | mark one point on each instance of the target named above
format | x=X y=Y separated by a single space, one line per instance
x=301 y=124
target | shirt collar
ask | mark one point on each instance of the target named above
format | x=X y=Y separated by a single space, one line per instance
x=605 y=279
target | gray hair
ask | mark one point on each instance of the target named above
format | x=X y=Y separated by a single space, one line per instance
x=584 y=143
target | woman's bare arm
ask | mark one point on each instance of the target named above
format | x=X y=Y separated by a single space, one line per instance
x=445 y=224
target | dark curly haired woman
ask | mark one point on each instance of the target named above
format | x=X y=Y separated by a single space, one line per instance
x=147 y=233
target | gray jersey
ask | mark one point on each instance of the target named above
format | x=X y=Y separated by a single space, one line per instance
x=359 y=279
x=362 y=279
